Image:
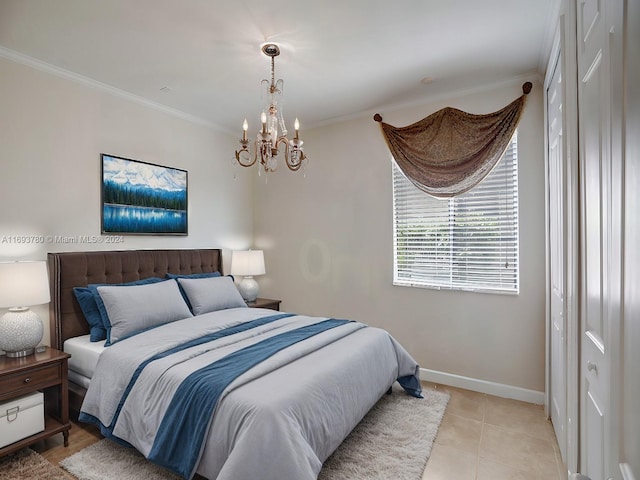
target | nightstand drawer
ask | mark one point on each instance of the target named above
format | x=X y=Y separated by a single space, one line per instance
x=30 y=380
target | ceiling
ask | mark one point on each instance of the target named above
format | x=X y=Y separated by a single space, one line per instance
x=340 y=58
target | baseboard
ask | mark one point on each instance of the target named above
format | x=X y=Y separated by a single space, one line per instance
x=483 y=386
x=627 y=473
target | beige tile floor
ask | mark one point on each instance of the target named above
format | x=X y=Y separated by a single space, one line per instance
x=483 y=437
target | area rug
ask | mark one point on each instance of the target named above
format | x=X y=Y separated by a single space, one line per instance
x=29 y=465
x=394 y=440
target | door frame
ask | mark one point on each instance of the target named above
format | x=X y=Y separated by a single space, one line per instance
x=630 y=367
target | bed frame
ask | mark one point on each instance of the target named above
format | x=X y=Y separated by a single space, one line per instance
x=78 y=269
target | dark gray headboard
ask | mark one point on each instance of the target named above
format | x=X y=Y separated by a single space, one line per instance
x=78 y=269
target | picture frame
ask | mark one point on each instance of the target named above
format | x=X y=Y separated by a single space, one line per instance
x=140 y=198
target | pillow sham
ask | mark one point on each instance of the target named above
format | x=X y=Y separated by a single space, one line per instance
x=134 y=309
x=93 y=308
x=93 y=287
x=176 y=276
x=211 y=294
x=87 y=302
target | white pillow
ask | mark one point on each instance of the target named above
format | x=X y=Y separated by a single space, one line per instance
x=134 y=309
x=211 y=294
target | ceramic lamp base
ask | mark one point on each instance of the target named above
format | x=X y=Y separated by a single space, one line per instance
x=20 y=332
x=248 y=288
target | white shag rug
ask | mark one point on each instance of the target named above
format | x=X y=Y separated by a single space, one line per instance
x=393 y=440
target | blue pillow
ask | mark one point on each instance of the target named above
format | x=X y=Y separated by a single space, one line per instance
x=93 y=288
x=91 y=313
x=193 y=275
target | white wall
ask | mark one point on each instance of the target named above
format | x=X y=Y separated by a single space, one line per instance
x=328 y=249
x=327 y=237
x=52 y=131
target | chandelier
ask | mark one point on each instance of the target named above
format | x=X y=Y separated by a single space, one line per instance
x=268 y=142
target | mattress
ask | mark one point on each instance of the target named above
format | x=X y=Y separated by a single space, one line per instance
x=84 y=357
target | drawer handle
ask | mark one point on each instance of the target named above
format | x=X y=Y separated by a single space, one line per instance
x=12 y=412
x=27 y=380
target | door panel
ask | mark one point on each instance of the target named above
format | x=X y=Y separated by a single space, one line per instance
x=595 y=164
x=594 y=432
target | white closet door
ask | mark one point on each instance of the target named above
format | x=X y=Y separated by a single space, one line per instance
x=598 y=47
x=594 y=128
x=558 y=343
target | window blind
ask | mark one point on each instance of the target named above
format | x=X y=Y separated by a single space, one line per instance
x=468 y=242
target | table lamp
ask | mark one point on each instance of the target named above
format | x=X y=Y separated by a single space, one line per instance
x=22 y=284
x=248 y=263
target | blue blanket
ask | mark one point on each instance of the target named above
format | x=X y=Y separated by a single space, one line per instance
x=181 y=433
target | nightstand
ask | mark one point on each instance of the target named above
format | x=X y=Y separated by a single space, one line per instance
x=265 y=303
x=47 y=372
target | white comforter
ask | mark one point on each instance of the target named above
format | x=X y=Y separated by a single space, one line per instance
x=280 y=420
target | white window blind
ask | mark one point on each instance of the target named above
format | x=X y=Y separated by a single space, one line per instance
x=469 y=242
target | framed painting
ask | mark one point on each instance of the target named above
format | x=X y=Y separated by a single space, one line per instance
x=142 y=198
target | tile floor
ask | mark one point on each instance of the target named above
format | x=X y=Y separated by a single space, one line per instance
x=483 y=437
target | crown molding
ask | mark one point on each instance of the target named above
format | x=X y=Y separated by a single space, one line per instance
x=517 y=81
x=37 y=64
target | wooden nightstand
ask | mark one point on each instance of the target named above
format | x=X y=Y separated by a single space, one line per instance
x=265 y=303
x=47 y=372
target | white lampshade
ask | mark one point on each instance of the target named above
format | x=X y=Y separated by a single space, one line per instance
x=22 y=284
x=248 y=263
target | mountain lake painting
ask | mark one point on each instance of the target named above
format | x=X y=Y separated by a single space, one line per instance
x=143 y=198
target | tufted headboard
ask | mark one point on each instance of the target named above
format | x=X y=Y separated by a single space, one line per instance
x=78 y=269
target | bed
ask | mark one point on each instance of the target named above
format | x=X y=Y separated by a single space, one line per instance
x=292 y=387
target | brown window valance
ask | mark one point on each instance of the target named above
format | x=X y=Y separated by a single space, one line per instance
x=451 y=151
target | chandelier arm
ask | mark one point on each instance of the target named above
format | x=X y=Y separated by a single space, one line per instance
x=294 y=168
x=265 y=88
x=287 y=154
x=297 y=166
x=245 y=149
x=284 y=140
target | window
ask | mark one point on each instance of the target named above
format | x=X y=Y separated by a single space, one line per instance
x=469 y=242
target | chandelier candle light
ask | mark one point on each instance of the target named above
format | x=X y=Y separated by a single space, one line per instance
x=267 y=143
